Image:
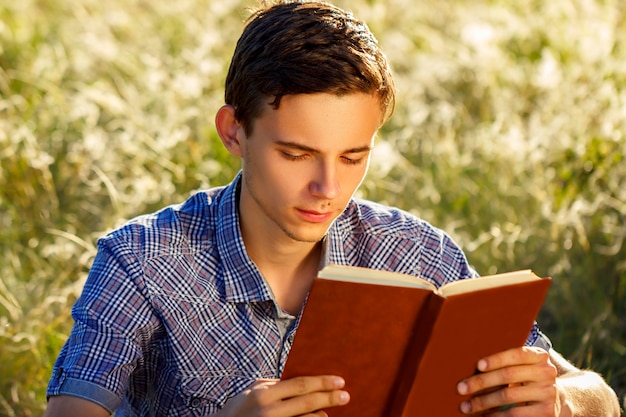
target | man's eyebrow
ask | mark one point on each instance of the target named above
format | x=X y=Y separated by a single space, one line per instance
x=301 y=147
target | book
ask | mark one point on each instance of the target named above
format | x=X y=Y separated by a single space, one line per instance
x=400 y=343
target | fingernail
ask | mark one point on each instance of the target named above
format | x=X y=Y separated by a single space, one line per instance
x=344 y=397
x=482 y=365
x=462 y=388
x=339 y=382
x=466 y=408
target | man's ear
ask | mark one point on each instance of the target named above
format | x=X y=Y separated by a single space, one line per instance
x=229 y=129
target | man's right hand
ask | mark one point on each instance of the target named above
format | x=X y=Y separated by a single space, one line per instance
x=300 y=396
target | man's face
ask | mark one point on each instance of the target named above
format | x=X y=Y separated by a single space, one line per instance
x=303 y=162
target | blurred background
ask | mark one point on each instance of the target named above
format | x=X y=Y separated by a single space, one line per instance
x=508 y=134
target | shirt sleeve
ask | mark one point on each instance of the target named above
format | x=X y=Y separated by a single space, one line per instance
x=538 y=339
x=113 y=323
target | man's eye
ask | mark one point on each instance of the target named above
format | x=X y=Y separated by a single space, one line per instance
x=352 y=161
x=293 y=157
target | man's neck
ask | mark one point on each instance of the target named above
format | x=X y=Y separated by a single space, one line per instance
x=288 y=271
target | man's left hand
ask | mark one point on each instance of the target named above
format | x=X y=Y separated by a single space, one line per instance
x=517 y=382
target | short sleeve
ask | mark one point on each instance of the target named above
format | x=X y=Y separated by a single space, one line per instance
x=113 y=323
x=538 y=339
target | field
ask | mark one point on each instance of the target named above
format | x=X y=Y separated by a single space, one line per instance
x=509 y=134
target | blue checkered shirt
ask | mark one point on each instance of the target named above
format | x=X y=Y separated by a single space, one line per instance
x=175 y=318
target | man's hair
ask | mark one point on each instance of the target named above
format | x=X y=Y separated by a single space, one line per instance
x=301 y=47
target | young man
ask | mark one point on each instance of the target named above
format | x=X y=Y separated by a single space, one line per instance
x=191 y=311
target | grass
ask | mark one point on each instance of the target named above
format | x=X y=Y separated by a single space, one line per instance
x=508 y=134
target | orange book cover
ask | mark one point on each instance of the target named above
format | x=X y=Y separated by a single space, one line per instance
x=401 y=344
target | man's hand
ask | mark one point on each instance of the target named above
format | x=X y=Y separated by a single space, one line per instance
x=301 y=396
x=516 y=382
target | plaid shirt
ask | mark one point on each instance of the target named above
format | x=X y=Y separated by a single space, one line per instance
x=175 y=318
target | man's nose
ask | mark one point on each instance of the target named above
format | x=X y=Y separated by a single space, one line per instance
x=325 y=183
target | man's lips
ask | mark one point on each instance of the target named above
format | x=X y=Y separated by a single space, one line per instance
x=315 y=216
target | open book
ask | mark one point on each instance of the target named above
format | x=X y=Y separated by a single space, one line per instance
x=401 y=344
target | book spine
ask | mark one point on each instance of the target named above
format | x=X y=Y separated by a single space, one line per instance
x=416 y=347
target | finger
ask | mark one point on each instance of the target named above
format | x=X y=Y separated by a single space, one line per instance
x=303 y=385
x=526 y=355
x=310 y=404
x=261 y=390
x=529 y=410
x=544 y=373
x=297 y=396
x=259 y=393
x=320 y=413
x=521 y=396
x=263 y=383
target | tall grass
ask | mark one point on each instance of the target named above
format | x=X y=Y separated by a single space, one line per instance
x=508 y=134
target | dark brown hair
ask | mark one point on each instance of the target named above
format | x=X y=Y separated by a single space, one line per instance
x=301 y=47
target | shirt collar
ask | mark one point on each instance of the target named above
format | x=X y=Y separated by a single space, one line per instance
x=242 y=279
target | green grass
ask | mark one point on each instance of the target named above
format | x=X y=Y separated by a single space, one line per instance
x=508 y=134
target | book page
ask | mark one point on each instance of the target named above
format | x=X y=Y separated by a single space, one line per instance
x=373 y=276
x=482 y=283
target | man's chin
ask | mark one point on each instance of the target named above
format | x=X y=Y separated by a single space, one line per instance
x=307 y=239
x=307 y=236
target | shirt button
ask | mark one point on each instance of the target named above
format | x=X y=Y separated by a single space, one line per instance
x=195 y=402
